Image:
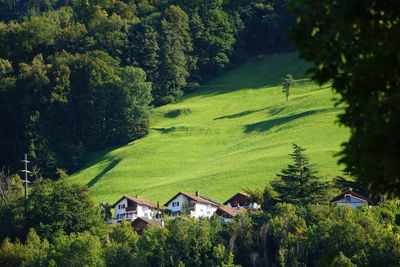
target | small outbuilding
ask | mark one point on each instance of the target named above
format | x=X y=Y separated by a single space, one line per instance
x=140 y=224
x=227 y=214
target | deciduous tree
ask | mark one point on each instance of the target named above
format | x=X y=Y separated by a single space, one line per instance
x=354 y=46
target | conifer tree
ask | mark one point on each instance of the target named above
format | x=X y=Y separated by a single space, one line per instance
x=299 y=183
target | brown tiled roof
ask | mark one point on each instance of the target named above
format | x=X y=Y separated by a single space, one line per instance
x=138 y=201
x=349 y=192
x=148 y=221
x=236 y=195
x=230 y=211
x=195 y=198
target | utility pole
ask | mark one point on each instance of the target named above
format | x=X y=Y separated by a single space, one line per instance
x=25 y=171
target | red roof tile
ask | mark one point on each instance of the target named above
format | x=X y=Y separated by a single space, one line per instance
x=138 y=201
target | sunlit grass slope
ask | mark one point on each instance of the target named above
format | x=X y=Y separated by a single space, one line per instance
x=235 y=132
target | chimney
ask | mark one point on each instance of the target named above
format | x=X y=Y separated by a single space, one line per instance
x=350 y=189
x=137 y=196
x=197 y=193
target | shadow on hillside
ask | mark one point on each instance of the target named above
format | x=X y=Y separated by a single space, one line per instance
x=106 y=169
x=177 y=112
x=240 y=114
x=269 y=124
x=257 y=73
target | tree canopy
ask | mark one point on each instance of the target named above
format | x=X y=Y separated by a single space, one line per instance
x=354 y=46
x=99 y=66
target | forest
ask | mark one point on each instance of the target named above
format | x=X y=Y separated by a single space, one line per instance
x=79 y=76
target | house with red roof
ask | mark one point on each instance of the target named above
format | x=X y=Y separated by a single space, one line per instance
x=193 y=205
x=351 y=199
x=130 y=208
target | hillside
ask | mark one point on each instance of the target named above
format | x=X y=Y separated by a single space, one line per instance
x=235 y=132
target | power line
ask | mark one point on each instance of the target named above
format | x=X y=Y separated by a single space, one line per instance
x=25 y=171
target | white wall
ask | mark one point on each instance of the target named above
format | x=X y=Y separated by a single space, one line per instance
x=200 y=209
x=142 y=211
x=204 y=210
x=182 y=200
x=352 y=202
x=118 y=211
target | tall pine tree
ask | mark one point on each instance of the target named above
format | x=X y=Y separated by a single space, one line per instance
x=299 y=183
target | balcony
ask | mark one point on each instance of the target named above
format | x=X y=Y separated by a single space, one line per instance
x=131 y=208
x=191 y=205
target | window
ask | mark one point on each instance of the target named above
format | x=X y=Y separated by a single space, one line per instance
x=175 y=204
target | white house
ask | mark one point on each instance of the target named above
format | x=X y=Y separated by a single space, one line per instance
x=351 y=199
x=130 y=208
x=193 y=205
x=241 y=201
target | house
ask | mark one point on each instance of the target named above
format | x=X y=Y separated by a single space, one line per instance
x=227 y=214
x=141 y=223
x=241 y=200
x=193 y=205
x=130 y=208
x=351 y=199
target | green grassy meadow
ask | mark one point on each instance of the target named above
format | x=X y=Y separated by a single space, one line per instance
x=235 y=132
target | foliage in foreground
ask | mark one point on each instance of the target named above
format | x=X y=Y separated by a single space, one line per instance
x=354 y=45
x=59 y=226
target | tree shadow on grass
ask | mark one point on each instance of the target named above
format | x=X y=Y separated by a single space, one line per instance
x=240 y=114
x=106 y=169
x=177 y=112
x=269 y=124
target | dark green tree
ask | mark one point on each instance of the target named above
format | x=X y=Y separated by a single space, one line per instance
x=353 y=45
x=105 y=211
x=51 y=207
x=299 y=183
x=176 y=45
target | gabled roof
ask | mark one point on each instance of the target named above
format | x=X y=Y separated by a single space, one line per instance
x=353 y=194
x=138 y=201
x=235 y=196
x=230 y=211
x=147 y=221
x=199 y=199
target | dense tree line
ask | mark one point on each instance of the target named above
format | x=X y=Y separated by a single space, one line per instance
x=58 y=225
x=78 y=76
